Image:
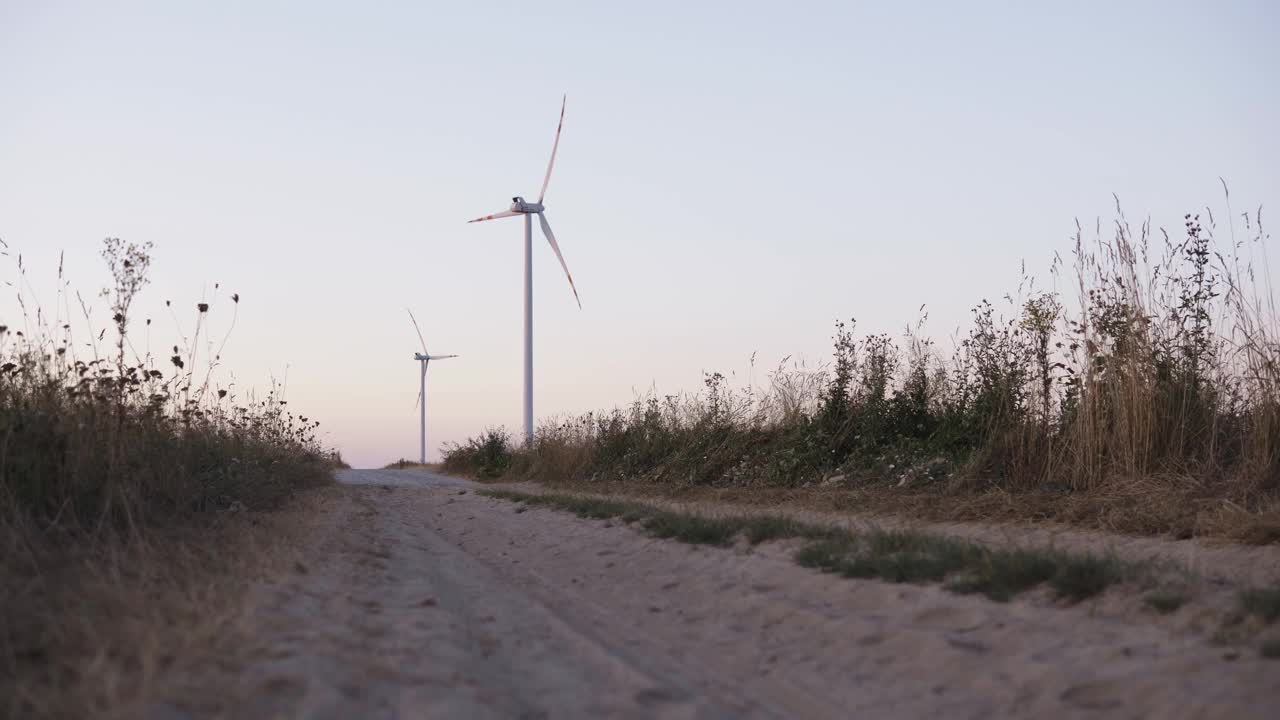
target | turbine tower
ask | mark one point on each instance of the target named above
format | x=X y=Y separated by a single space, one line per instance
x=423 y=358
x=519 y=206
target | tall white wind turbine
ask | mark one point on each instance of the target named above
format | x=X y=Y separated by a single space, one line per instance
x=423 y=358
x=519 y=206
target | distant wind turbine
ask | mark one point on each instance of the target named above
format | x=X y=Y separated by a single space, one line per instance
x=520 y=207
x=423 y=358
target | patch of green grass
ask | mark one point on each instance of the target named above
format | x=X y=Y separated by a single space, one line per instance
x=692 y=529
x=912 y=557
x=899 y=556
x=1003 y=574
x=826 y=555
x=593 y=508
x=1080 y=577
x=1165 y=600
x=635 y=514
x=1263 y=602
x=968 y=568
x=510 y=495
x=763 y=528
x=915 y=557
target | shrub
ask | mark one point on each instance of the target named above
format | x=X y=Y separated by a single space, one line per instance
x=487 y=456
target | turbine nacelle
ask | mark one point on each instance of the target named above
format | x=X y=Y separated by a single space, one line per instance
x=520 y=205
x=420 y=357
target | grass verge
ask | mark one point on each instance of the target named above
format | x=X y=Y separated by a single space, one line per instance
x=901 y=556
x=910 y=556
x=1145 y=399
x=129 y=486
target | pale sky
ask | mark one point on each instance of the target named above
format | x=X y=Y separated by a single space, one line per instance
x=732 y=178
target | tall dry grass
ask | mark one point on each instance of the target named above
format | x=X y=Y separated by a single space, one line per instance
x=1150 y=374
x=120 y=473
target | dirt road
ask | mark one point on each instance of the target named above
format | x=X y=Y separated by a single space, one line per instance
x=415 y=597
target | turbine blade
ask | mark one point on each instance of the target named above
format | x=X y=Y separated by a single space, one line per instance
x=495 y=216
x=547 y=180
x=551 y=238
x=441 y=357
x=419 y=331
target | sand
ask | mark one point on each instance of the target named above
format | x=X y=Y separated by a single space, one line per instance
x=414 y=597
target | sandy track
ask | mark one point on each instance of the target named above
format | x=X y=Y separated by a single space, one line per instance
x=417 y=598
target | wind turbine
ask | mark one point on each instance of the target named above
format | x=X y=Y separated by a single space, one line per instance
x=519 y=206
x=423 y=358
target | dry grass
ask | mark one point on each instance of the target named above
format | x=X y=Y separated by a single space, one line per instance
x=105 y=630
x=130 y=490
x=1125 y=509
x=1149 y=403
